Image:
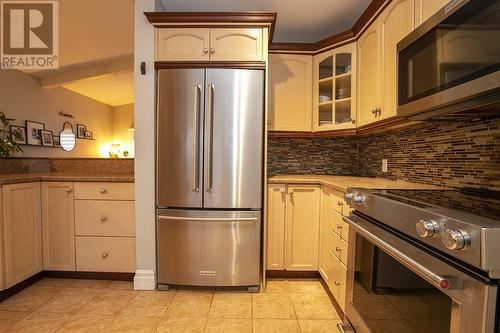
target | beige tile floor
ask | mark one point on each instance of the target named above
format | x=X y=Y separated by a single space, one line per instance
x=65 y=305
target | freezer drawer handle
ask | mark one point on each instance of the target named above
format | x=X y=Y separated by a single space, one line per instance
x=211 y=88
x=179 y=218
x=196 y=139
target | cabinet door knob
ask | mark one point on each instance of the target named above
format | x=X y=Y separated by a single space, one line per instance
x=337 y=283
x=205 y=50
x=269 y=122
x=104 y=219
x=68 y=190
x=105 y=255
x=340 y=203
x=291 y=197
x=103 y=190
x=212 y=50
x=338 y=249
x=339 y=226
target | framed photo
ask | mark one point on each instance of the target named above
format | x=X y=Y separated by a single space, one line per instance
x=33 y=135
x=47 y=138
x=80 y=131
x=18 y=134
x=88 y=135
x=57 y=140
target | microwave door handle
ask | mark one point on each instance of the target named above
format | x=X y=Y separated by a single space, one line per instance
x=210 y=139
x=440 y=282
x=196 y=139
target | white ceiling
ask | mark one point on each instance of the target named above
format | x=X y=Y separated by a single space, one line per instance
x=298 y=20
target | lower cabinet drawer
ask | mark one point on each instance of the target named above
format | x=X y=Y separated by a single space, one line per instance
x=339 y=247
x=104 y=191
x=105 y=254
x=104 y=218
x=338 y=279
x=341 y=228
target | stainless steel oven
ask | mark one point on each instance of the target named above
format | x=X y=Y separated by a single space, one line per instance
x=423 y=262
x=451 y=62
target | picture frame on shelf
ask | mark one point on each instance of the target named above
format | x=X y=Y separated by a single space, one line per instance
x=57 y=140
x=80 y=131
x=33 y=132
x=47 y=138
x=88 y=135
x=18 y=134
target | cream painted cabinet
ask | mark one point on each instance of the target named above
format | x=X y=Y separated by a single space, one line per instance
x=58 y=226
x=426 y=8
x=325 y=229
x=209 y=44
x=293 y=227
x=334 y=87
x=368 y=75
x=290 y=91
x=394 y=24
x=181 y=44
x=276 y=206
x=236 y=44
x=22 y=231
x=302 y=228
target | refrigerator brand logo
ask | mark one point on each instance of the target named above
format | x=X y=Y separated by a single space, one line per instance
x=29 y=34
x=207 y=273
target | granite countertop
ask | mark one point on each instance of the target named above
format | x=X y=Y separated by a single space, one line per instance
x=64 y=177
x=342 y=183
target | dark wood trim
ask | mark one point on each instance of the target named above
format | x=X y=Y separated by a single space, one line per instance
x=381 y=124
x=332 y=299
x=257 y=18
x=362 y=130
x=284 y=274
x=337 y=40
x=90 y=275
x=210 y=64
x=6 y=293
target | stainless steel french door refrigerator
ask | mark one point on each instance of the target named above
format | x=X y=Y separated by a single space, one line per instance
x=209 y=176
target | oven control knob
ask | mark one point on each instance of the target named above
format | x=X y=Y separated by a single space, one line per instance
x=427 y=228
x=349 y=196
x=455 y=239
x=358 y=199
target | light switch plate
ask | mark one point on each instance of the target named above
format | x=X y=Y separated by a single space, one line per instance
x=384 y=165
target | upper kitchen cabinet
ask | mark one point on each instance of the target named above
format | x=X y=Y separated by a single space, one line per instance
x=334 y=89
x=368 y=75
x=212 y=36
x=183 y=44
x=394 y=24
x=377 y=53
x=290 y=91
x=236 y=44
x=426 y=8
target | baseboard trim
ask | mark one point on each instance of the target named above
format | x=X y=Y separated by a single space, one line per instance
x=4 y=294
x=144 y=279
x=284 y=274
x=90 y=275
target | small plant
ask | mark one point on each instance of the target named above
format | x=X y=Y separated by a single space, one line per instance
x=8 y=148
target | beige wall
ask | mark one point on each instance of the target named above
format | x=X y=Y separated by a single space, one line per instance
x=22 y=98
x=123 y=121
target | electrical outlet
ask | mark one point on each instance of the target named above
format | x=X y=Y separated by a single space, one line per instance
x=384 y=165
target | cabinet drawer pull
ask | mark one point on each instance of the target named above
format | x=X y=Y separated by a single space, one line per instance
x=337 y=283
x=104 y=219
x=338 y=249
x=340 y=203
x=103 y=190
x=68 y=190
x=105 y=255
x=339 y=226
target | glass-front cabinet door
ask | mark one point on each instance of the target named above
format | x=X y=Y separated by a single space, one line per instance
x=334 y=89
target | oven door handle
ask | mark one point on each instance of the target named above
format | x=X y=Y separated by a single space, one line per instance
x=440 y=282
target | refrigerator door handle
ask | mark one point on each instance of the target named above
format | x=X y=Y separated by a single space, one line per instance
x=211 y=88
x=196 y=140
x=205 y=219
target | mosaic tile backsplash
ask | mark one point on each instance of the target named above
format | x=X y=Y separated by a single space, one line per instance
x=452 y=154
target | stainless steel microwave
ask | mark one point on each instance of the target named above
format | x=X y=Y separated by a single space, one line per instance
x=451 y=62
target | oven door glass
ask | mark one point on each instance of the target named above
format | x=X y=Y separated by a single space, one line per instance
x=461 y=48
x=391 y=298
